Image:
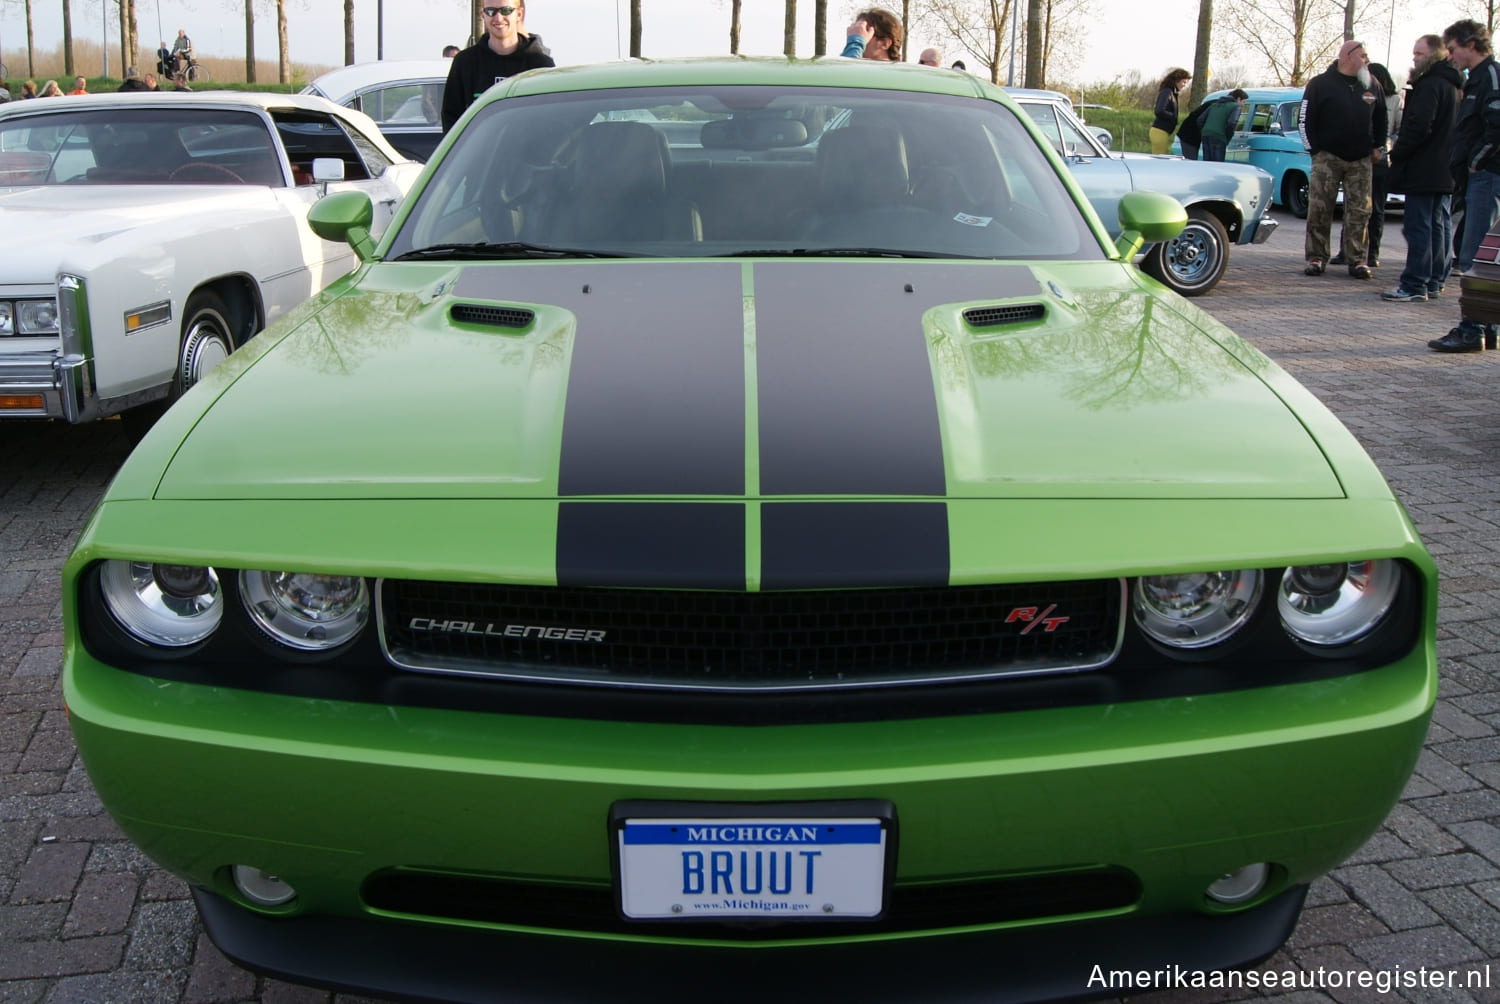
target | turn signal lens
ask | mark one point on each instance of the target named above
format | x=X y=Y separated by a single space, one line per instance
x=305 y=611
x=1195 y=609
x=168 y=605
x=1338 y=603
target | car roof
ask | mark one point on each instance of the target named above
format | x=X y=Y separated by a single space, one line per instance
x=346 y=81
x=1262 y=93
x=249 y=100
x=1038 y=94
x=771 y=71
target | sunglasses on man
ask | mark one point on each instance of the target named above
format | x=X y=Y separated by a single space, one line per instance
x=502 y=11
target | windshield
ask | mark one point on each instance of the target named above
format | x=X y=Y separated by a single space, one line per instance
x=722 y=171
x=138 y=146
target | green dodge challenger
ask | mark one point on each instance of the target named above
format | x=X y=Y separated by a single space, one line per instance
x=745 y=529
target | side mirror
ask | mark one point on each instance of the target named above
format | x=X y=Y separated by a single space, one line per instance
x=326 y=169
x=345 y=217
x=1147 y=218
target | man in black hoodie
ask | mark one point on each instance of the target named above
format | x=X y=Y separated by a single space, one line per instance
x=1344 y=128
x=1475 y=162
x=504 y=51
x=1419 y=167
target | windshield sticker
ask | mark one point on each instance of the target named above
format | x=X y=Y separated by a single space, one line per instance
x=974 y=221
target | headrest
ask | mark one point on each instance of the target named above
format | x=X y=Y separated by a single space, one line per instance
x=865 y=162
x=620 y=159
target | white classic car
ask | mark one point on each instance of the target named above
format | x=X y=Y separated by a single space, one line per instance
x=154 y=233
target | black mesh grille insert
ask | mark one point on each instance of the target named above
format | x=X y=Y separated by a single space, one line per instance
x=911 y=908
x=495 y=317
x=768 y=640
x=994 y=317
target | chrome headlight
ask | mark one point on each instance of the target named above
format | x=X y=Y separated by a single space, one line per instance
x=169 y=605
x=36 y=317
x=1195 y=609
x=1337 y=603
x=7 y=318
x=305 y=611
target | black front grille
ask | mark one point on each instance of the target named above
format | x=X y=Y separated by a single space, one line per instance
x=494 y=317
x=769 y=640
x=994 y=317
x=560 y=907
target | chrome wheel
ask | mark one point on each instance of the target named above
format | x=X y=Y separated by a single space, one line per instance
x=206 y=341
x=1192 y=262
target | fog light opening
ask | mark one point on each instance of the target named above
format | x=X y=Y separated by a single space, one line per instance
x=261 y=888
x=1240 y=886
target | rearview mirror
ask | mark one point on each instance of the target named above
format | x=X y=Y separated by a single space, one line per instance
x=1148 y=218
x=345 y=217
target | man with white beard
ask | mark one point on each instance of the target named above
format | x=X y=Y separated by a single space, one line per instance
x=1344 y=128
x=1475 y=162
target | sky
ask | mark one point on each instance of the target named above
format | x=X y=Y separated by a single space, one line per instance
x=1148 y=36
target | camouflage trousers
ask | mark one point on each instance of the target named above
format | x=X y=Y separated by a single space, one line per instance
x=1328 y=172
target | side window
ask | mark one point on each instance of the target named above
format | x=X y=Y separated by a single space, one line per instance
x=1259 y=118
x=1046 y=121
x=1287 y=116
x=308 y=135
x=1074 y=141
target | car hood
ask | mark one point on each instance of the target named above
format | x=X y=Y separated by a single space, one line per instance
x=711 y=379
x=33 y=217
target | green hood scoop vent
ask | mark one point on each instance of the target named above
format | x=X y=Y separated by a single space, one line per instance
x=491 y=317
x=1012 y=313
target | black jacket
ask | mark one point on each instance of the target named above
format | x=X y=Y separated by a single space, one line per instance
x=1342 y=116
x=1166 y=110
x=1419 y=158
x=1476 y=137
x=478 y=68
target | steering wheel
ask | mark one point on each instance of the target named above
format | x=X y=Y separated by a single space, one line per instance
x=213 y=171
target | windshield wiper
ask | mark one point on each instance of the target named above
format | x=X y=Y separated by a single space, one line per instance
x=496 y=252
x=841 y=253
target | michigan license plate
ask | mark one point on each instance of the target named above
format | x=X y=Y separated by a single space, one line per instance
x=775 y=866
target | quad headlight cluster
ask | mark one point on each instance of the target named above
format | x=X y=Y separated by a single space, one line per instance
x=30 y=317
x=1320 y=606
x=177 y=606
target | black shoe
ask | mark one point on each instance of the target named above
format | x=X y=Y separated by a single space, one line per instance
x=1457 y=340
x=1338 y=259
x=1314 y=267
x=1374 y=262
x=1360 y=272
x=1489 y=338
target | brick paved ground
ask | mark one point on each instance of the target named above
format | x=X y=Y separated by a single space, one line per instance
x=85 y=918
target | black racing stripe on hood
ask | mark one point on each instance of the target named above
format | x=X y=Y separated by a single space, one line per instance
x=830 y=545
x=656 y=388
x=846 y=398
x=651 y=545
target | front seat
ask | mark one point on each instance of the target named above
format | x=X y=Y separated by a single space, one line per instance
x=620 y=190
x=864 y=185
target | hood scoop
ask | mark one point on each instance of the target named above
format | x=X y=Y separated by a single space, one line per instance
x=492 y=317
x=1000 y=316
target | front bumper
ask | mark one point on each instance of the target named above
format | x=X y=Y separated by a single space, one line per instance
x=46 y=385
x=1264 y=229
x=995 y=967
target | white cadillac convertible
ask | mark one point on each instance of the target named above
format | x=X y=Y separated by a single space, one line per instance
x=151 y=234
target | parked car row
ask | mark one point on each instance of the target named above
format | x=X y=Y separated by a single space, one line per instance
x=740 y=516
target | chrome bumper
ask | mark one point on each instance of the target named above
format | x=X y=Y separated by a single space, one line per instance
x=1263 y=230
x=63 y=385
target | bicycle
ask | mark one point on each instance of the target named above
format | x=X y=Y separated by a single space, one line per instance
x=194 y=71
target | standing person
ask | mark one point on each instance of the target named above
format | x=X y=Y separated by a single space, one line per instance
x=1419 y=168
x=1344 y=128
x=505 y=50
x=51 y=90
x=1165 y=122
x=1219 y=122
x=1380 y=186
x=28 y=90
x=150 y=79
x=80 y=85
x=930 y=57
x=1475 y=162
x=449 y=51
x=875 y=34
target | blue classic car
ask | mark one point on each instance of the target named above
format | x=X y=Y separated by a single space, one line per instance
x=1226 y=203
x=1267 y=136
